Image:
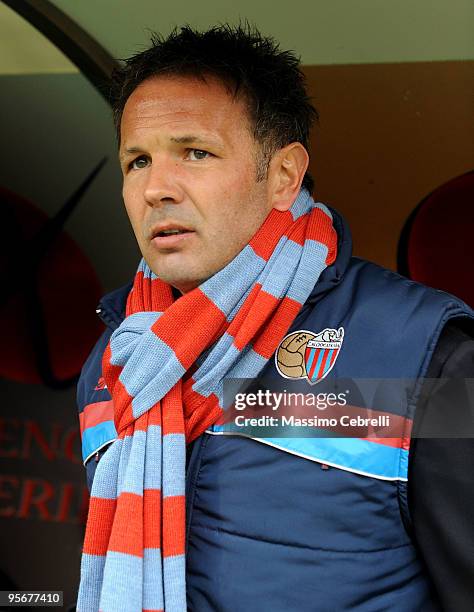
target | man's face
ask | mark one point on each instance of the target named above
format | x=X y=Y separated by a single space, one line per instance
x=189 y=165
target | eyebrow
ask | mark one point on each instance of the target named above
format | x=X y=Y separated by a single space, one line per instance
x=186 y=140
x=129 y=151
x=191 y=139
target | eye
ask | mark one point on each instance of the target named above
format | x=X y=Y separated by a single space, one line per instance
x=138 y=163
x=197 y=154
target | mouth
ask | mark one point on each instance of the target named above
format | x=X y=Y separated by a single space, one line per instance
x=166 y=235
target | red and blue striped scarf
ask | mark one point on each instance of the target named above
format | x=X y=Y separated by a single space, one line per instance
x=165 y=366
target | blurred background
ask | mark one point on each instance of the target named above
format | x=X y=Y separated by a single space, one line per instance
x=393 y=83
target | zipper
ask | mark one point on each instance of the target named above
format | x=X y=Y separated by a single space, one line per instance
x=105 y=318
x=192 y=474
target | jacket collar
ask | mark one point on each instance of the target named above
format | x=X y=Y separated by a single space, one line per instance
x=111 y=308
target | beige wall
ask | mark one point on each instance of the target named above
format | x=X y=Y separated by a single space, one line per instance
x=389 y=134
x=322 y=31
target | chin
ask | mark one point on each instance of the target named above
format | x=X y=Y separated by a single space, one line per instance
x=182 y=282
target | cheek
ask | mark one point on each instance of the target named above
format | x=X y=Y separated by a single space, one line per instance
x=136 y=219
x=234 y=179
x=242 y=182
x=131 y=202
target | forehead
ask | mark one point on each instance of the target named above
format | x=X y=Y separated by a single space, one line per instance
x=174 y=103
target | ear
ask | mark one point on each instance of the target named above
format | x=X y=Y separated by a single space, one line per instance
x=286 y=173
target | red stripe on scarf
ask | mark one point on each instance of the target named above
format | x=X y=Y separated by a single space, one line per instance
x=180 y=315
x=123 y=417
x=267 y=237
x=274 y=330
x=246 y=328
x=101 y=512
x=200 y=412
x=152 y=518
x=113 y=371
x=316 y=226
x=173 y=417
x=264 y=328
x=152 y=417
x=148 y=295
x=174 y=514
x=127 y=530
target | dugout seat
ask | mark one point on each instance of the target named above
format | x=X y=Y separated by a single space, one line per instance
x=436 y=245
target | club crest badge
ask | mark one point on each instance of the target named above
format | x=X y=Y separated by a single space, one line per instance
x=305 y=354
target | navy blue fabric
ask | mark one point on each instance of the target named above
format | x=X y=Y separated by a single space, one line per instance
x=268 y=530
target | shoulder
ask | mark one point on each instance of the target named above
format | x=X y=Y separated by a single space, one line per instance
x=92 y=371
x=387 y=318
x=383 y=285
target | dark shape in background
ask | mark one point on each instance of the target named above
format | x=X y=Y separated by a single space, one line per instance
x=48 y=293
x=436 y=243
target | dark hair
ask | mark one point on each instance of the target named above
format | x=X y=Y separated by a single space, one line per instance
x=253 y=66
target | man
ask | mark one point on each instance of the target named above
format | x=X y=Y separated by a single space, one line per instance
x=244 y=276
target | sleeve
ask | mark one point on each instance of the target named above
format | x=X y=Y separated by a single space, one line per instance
x=441 y=472
x=95 y=410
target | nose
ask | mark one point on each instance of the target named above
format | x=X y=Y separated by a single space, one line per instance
x=163 y=184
